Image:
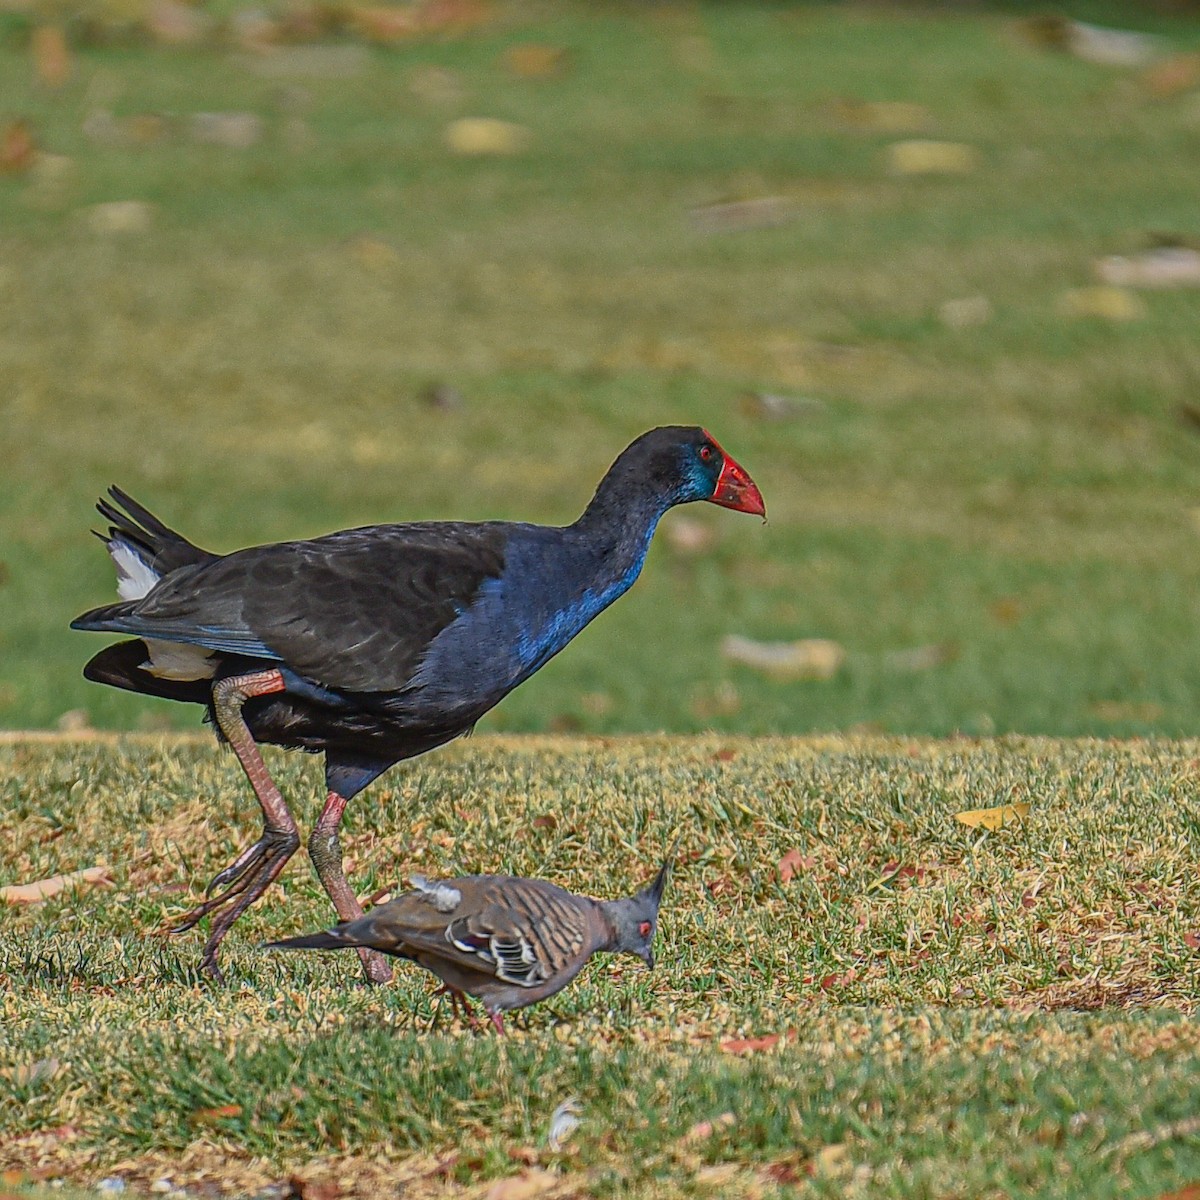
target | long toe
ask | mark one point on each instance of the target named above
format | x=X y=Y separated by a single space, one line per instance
x=234 y=901
x=264 y=857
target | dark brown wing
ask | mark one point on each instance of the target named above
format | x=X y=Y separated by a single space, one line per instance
x=520 y=931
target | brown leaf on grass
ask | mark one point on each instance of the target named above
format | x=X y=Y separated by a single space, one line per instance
x=531 y=61
x=994 y=818
x=785 y=1171
x=725 y=754
x=1192 y=941
x=837 y=980
x=172 y=23
x=1170 y=76
x=385 y=24
x=1189 y=1191
x=705 y=1129
x=210 y=1116
x=312 y=1189
x=524 y=1186
x=792 y=862
x=523 y=1154
x=43 y=889
x=51 y=56
x=18 y=149
x=749 y=1045
x=545 y=822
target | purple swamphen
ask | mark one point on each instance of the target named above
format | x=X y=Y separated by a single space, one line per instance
x=374 y=644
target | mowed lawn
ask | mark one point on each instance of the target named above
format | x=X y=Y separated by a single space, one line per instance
x=855 y=991
x=997 y=522
x=1014 y=500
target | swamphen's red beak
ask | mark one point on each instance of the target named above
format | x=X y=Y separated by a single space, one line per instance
x=735 y=489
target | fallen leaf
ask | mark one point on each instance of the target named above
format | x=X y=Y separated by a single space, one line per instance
x=210 y=1116
x=51 y=56
x=312 y=1189
x=1189 y=1191
x=531 y=61
x=1107 y=303
x=994 y=818
x=176 y=24
x=523 y=1154
x=792 y=862
x=921 y=156
x=385 y=24
x=785 y=1171
x=809 y=658
x=1161 y=267
x=705 y=1129
x=477 y=136
x=1172 y=76
x=18 y=149
x=1191 y=941
x=749 y=1045
x=545 y=822
x=43 y=889
x=523 y=1186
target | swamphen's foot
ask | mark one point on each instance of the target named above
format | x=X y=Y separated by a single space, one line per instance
x=244 y=880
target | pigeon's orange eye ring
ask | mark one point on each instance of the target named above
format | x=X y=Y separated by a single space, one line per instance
x=644 y=929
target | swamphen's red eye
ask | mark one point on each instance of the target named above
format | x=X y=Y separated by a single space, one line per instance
x=706 y=453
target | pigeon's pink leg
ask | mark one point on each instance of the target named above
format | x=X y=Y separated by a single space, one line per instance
x=325 y=851
x=497 y=1020
x=251 y=873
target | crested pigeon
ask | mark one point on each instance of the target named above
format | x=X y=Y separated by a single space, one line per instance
x=507 y=941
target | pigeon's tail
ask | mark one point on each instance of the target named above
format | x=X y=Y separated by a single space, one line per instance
x=332 y=939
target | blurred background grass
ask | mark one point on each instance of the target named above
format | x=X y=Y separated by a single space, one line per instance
x=1016 y=497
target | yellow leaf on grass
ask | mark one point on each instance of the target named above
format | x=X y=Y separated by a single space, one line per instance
x=43 y=889
x=994 y=818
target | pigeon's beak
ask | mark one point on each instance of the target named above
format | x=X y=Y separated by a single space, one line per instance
x=647 y=956
x=735 y=489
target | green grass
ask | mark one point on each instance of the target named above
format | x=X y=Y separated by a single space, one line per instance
x=957 y=1013
x=1022 y=492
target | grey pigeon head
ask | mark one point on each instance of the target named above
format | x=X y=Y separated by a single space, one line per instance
x=635 y=918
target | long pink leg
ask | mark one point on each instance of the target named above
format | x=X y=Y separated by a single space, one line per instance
x=252 y=872
x=325 y=851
